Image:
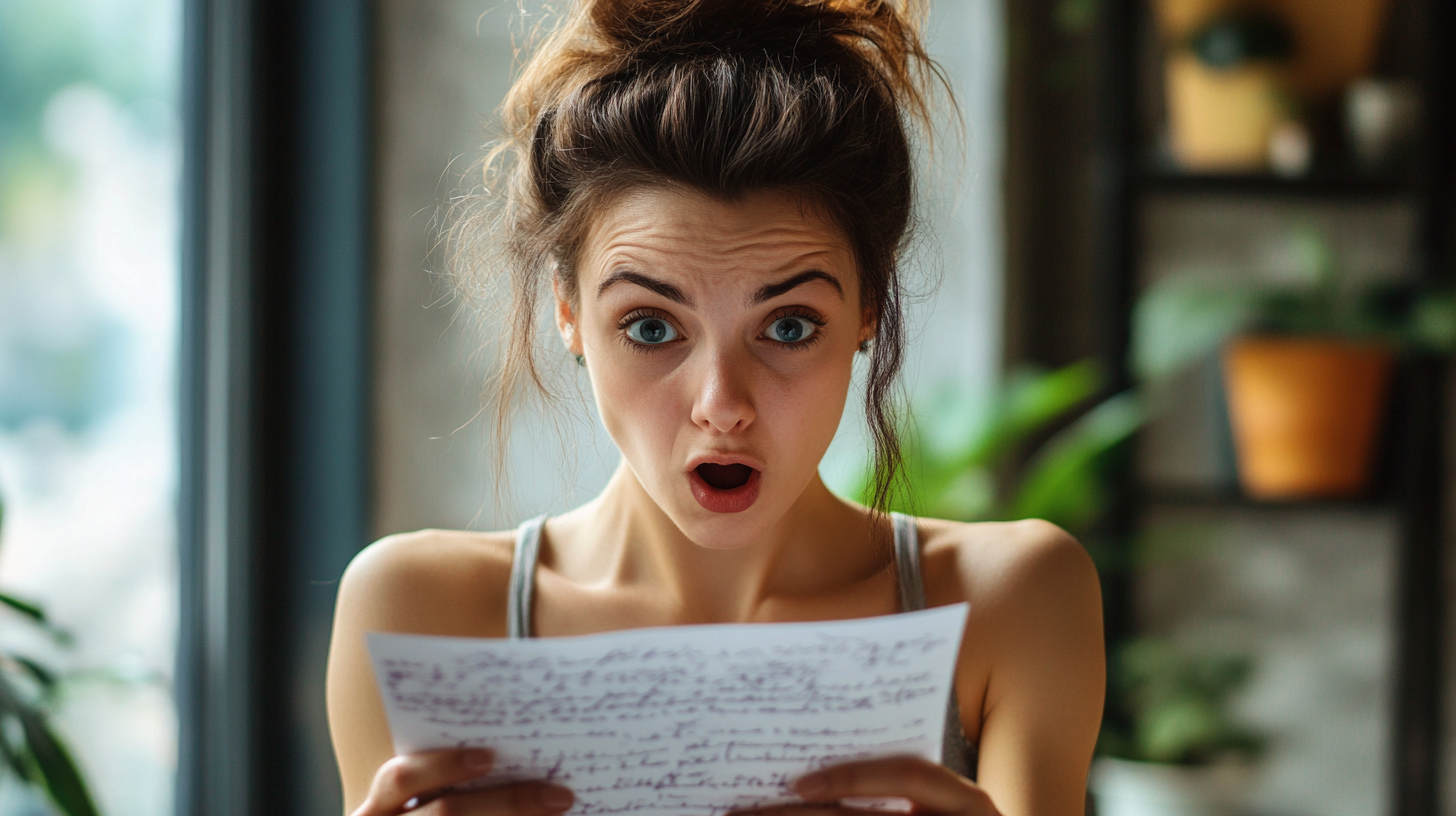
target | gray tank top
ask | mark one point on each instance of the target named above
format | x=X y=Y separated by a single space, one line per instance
x=958 y=754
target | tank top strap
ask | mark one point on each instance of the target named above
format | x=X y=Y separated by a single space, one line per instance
x=957 y=752
x=907 y=562
x=523 y=578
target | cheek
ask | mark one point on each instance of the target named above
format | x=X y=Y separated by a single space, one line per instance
x=801 y=411
x=641 y=404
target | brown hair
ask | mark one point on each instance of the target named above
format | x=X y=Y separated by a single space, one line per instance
x=724 y=97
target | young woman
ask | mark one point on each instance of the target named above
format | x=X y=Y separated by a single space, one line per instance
x=715 y=194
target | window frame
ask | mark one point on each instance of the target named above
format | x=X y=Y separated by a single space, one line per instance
x=273 y=390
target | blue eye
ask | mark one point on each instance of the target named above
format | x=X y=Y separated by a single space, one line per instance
x=791 y=330
x=651 y=331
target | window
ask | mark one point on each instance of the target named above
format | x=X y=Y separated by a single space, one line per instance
x=89 y=158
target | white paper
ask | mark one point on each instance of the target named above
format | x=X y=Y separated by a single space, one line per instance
x=682 y=720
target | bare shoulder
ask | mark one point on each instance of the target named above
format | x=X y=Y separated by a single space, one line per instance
x=998 y=564
x=433 y=582
x=430 y=582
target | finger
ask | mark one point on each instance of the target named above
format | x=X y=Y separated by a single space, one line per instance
x=410 y=776
x=927 y=784
x=528 y=799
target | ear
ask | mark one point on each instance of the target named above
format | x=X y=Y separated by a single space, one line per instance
x=566 y=322
x=869 y=326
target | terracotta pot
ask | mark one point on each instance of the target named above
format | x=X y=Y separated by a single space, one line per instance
x=1221 y=120
x=1305 y=413
x=1335 y=40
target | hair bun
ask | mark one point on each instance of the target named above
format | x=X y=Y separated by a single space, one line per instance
x=879 y=29
x=641 y=27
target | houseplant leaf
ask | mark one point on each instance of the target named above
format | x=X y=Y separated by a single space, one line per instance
x=25 y=608
x=52 y=765
x=1182 y=320
x=1064 y=483
x=36 y=615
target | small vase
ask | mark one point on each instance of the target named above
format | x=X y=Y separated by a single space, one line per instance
x=1305 y=413
x=1121 y=787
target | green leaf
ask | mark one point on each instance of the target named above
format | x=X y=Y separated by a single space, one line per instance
x=55 y=771
x=25 y=608
x=1027 y=402
x=12 y=748
x=1178 y=701
x=1232 y=39
x=1182 y=320
x=951 y=473
x=61 y=779
x=37 y=615
x=1433 y=324
x=1064 y=481
x=42 y=675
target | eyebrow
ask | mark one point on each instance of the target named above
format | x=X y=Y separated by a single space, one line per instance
x=773 y=290
x=663 y=288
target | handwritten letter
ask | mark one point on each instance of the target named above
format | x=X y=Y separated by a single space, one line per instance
x=693 y=720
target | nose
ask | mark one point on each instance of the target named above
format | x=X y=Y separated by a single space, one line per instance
x=723 y=403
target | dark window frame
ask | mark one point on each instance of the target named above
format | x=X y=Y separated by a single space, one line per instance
x=275 y=480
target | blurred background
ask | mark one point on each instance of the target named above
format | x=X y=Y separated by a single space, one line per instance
x=1185 y=288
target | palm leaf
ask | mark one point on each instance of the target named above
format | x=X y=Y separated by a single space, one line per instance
x=61 y=779
x=43 y=676
x=1030 y=400
x=16 y=758
x=25 y=608
x=53 y=769
x=37 y=615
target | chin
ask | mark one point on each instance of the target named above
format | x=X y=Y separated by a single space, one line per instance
x=714 y=531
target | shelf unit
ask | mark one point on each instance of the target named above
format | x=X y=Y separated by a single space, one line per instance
x=1417 y=470
x=1337 y=187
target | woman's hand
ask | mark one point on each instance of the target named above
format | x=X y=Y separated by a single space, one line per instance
x=414 y=784
x=929 y=786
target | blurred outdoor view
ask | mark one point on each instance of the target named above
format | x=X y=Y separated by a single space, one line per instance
x=89 y=161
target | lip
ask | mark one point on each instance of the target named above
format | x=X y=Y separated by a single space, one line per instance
x=725 y=501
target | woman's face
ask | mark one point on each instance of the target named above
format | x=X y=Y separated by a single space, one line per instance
x=719 y=338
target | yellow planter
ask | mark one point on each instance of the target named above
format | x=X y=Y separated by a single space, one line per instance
x=1305 y=413
x=1221 y=120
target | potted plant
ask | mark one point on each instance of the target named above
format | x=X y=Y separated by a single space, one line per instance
x=1179 y=752
x=1335 y=41
x=1306 y=364
x=1226 y=89
x=33 y=753
x=1036 y=451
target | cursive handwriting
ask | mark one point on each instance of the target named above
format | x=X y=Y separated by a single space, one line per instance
x=688 y=720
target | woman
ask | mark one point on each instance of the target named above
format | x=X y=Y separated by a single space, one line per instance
x=716 y=193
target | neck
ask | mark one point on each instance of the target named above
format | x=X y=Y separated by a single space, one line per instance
x=624 y=541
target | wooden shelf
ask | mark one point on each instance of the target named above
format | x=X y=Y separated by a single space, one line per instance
x=1235 y=499
x=1332 y=186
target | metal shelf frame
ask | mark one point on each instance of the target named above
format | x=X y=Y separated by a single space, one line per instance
x=1419 y=469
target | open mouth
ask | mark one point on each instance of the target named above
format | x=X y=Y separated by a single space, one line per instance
x=724 y=488
x=725 y=477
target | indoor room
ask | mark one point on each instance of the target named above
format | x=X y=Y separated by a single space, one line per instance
x=335 y=335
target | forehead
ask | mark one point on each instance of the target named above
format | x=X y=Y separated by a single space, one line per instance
x=688 y=233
